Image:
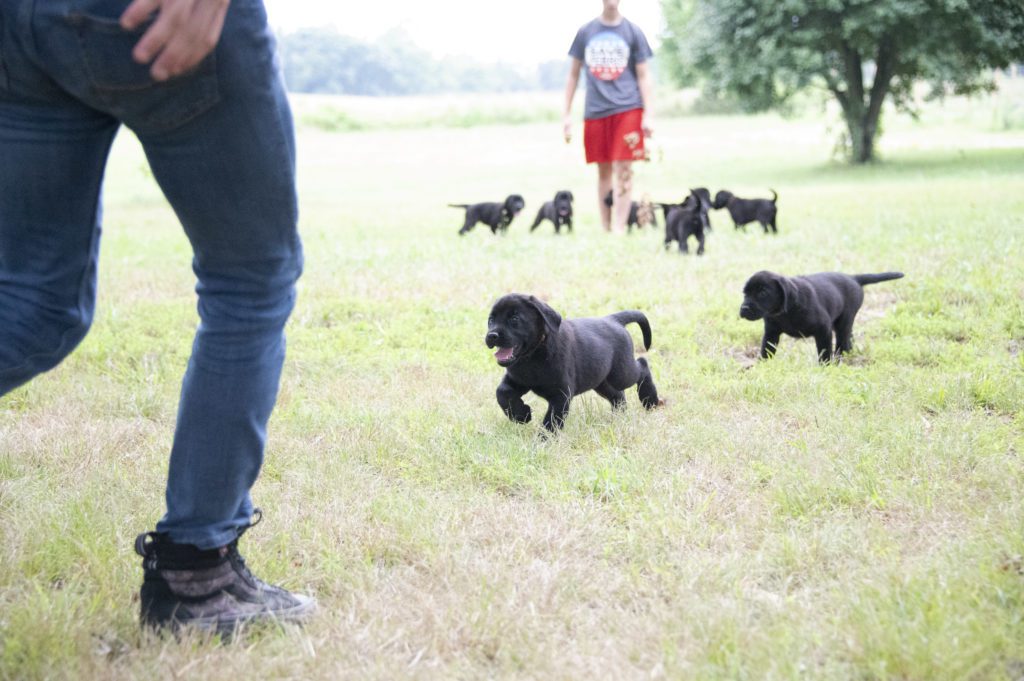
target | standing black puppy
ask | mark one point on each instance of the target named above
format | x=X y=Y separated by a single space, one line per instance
x=745 y=211
x=812 y=305
x=559 y=211
x=703 y=194
x=686 y=219
x=559 y=359
x=494 y=215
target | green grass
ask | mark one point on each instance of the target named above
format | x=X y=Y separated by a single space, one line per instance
x=775 y=520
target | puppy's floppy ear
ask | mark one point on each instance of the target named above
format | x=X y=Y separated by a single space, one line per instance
x=571 y=199
x=552 y=320
x=787 y=289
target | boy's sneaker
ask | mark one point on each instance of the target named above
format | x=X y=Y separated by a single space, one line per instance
x=211 y=590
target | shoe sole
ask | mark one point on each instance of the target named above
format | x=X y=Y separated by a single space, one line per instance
x=228 y=626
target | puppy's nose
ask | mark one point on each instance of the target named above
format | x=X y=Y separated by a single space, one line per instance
x=491 y=338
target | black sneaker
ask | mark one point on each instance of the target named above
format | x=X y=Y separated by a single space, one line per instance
x=211 y=590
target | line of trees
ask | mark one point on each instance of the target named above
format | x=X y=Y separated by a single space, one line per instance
x=322 y=60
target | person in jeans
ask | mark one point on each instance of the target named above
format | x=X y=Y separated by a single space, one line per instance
x=617 y=105
x=198 y=84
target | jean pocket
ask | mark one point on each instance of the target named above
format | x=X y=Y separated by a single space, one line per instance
x=124 y=88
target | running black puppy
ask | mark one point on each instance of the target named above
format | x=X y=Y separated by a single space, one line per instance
x=745 y=211
x=686 y=219
x=641 y=213
x=812 y=305
x=560 y=358
x=497 y=216
x=559 y=211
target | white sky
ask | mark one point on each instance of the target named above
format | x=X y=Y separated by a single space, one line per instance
x=519 y=32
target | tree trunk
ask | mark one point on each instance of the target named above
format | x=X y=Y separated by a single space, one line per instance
x=862 y=110
x=862 y=137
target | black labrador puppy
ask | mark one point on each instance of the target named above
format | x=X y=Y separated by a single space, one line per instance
x=641 y=213
x=813 y=305
x=497 y=216
x=559 y=211
x=686 y=219
x=560 y=358
x=745 y=211
x=704 y=194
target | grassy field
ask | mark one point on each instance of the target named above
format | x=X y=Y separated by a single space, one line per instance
x=775 y=520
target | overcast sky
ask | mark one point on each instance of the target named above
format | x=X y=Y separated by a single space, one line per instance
x=521 y=31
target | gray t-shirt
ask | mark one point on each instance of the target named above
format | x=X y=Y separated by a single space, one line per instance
x=610 y=55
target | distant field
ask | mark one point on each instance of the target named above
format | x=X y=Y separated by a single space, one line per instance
x=775 y=520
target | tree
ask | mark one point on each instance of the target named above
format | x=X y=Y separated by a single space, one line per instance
x=862 y=51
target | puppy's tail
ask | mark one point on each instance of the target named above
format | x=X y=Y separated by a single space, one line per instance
x=865 y=279
x=631 y=316
x=458 y=205
x=775 y=196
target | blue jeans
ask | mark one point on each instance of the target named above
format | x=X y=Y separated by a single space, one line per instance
x=221 y=145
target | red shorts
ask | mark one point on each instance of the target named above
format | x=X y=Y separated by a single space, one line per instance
x=618 y=137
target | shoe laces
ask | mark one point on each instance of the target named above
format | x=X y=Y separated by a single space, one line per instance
x=236 y=557
x=255 y=519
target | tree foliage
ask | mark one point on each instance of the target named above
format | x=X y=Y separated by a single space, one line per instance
x=862 y=51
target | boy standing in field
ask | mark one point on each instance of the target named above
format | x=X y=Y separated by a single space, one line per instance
x=619 y=95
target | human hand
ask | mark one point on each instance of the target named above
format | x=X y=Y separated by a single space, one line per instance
x=184 y=32
x=567 y=128
x=647 y=125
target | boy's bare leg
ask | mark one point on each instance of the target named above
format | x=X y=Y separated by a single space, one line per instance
x=604 y=185
x=622 y=198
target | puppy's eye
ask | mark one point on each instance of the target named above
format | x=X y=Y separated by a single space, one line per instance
x=513 y=321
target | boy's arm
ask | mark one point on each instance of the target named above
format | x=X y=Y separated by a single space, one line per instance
x=570 y=92
x=644 y=80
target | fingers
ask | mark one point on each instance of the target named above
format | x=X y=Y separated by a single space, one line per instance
x=138 y=12
x=185 y=31
x=192 y=40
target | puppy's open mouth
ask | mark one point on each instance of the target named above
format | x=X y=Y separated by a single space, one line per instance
x=505 y=356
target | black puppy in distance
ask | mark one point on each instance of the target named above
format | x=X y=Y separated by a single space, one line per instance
x=559 y=211
x=814 y=305
x=704 y=195
x=639 y=213
x=497 y=216
x=745 y=211
x=560 y=358
x=686 y=219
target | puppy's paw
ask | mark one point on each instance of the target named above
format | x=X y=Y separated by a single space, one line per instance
x=650 y=404
x=524 y=415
